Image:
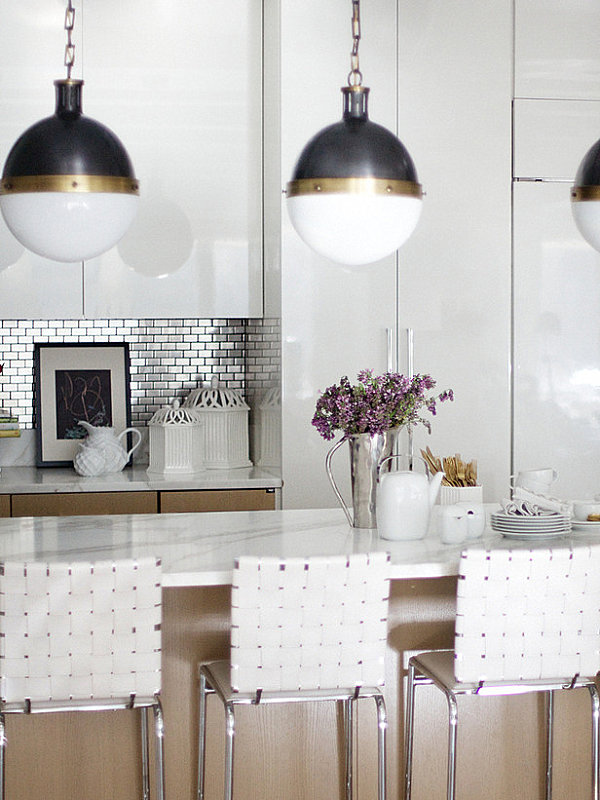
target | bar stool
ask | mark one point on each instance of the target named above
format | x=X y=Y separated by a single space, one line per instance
x=527 y=620
x=82 y=637
x=303 y=629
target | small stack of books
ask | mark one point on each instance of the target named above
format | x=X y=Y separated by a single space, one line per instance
x=9 y=424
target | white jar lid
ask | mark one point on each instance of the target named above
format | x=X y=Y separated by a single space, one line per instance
x=174 y=415
x=215 y=398
x=272 y=398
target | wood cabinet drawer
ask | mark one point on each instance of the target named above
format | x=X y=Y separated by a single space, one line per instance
x=72 y=504
x=4 y=505
x=217 y=500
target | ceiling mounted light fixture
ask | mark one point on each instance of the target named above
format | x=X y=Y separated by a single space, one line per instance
x=354 y=196
x=585 y=197
x=68 y=190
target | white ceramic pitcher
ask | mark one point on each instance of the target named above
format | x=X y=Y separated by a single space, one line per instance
x=404 y=503
x=102 y=452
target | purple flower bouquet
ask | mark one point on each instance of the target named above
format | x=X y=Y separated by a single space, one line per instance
x=376 y=404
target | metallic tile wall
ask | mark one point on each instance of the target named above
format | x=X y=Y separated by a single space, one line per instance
x=169 y=357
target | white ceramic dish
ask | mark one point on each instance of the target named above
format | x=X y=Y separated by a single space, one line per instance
x=531 y=527
x=537 y=536
x=507 y=526
x=585 y=523
x=529 y=522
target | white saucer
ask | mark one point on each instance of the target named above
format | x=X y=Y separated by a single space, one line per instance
x=585 y=523
x=538 y=536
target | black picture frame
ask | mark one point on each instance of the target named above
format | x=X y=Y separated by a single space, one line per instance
x=78 y=381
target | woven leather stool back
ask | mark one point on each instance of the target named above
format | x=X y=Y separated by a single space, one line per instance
x=79 y=631
x=314 y=623
x=528 y=614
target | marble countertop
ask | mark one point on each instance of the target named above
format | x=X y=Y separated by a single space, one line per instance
x=199 y=549
x=28 y=480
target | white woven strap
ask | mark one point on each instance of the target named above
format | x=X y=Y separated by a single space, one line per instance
x=80 y=630
x=315 y=623
x=528 y=613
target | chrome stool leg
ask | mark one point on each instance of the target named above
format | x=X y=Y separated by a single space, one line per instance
x=408 y=732
x=595 y=742
x=381 y=744
x=452 y=732
x=2 y=750
x=159 y=730
x=145 y=754
x=348 y=734
x=549 y=741
x=229 y=742
x=204 y=690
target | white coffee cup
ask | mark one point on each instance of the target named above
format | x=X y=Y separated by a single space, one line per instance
x=454 y=524
x=475 y=519
x=536 y=480
x=583 y=508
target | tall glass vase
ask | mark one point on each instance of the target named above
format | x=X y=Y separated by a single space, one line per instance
x=367 y=451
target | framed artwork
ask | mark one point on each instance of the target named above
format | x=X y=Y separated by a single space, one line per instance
x=76 y=382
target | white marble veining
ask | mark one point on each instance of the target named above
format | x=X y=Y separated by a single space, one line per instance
x=48 y=480
x=199 y=549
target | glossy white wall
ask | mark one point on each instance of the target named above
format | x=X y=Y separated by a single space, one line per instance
x=455 y=96
x=32 y=42
x=334 y=318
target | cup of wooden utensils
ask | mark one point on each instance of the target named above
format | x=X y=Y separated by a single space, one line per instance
x=459 y=483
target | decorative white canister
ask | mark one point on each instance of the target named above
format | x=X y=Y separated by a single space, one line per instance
x=176 y=441
x=225 y=416
x=269 y=423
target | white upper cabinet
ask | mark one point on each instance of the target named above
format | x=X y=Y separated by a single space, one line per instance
x=551 y=137
x=556 y=49
x=181 y=86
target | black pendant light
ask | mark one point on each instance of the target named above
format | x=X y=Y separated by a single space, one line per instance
x=354 y=196
x=68 y=189
x=585 y=197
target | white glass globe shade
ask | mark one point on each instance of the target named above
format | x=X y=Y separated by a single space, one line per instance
x=68 y=226
x=356 y=228
x=587 y=218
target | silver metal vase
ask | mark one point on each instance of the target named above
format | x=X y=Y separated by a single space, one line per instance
x=367 y=451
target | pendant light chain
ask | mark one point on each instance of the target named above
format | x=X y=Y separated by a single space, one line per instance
x=355 y=75
x=69 y=47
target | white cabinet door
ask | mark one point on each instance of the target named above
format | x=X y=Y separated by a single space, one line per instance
x=556 y=49
x=551 y=137
x=556 y=341
x=32 y=43
x=180 y=84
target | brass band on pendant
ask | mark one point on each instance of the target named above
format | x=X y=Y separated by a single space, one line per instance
x=580 y=194
x=113 y=184
x=393 y=188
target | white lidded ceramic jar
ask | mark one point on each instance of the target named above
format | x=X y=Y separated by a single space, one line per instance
x=225 y=415
x=176 y=441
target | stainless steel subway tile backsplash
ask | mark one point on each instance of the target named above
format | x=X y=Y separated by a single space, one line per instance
x=168 y=358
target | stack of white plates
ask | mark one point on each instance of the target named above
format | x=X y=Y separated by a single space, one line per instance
x=546 y=526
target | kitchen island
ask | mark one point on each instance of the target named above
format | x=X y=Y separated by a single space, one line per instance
x=500 y=755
